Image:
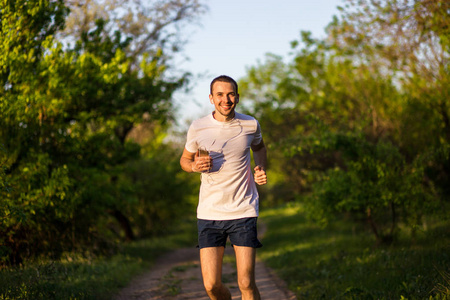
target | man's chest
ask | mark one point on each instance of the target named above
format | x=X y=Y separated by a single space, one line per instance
x=226 y=140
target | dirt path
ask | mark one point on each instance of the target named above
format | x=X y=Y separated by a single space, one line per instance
x=177 y=275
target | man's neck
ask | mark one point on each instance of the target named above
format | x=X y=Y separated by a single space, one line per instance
x=222 y=118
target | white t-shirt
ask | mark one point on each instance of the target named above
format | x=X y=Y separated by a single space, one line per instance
x=228 y=190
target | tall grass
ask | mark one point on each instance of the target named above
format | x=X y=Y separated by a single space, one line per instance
x=85 y=276
x=342 y=260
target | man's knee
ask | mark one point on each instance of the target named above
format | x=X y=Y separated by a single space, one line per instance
x=246 y=284
x=217 y=291
x=212 y=286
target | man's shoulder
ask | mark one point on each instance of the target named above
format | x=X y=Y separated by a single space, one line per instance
x=201 y=121
x=245 y=117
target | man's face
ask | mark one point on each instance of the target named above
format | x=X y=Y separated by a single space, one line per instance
x=224 y=98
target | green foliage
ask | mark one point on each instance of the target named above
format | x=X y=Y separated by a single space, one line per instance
x=356 y=123
x=84 y=276
x=341 y=261
x=66 y=116
x=374 y=181
x=162 y=194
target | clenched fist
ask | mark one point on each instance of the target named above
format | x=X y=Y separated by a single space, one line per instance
x=260 y=175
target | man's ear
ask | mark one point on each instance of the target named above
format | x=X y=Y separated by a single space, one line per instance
x=211 y=99
x=237 y=99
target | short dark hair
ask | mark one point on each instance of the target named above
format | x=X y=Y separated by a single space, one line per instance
x=223 y=78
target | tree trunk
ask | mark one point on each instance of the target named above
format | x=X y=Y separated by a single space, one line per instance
x=122 y=131
x=124 y=223
x=394 y=220
x=446 y=119
x=372 y=224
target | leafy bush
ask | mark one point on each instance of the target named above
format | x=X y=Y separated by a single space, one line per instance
x=66 y=114
x=376 y=184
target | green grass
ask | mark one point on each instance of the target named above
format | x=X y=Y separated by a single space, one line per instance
x=79 y=276
x=342 y=261
x=337 y=262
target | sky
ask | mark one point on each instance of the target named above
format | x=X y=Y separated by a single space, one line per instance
x=237 y=34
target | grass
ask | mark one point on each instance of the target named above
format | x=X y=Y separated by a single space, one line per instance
x=341 y=261
x=86 y=277
x=337 y=262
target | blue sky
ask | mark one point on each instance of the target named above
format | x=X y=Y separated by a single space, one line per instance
x=234 y=35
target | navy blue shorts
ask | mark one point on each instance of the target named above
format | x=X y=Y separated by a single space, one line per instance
x=242 y=232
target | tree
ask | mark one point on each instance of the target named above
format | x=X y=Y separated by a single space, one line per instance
x=362 y=121
x=67 y=112
x=154 y=27
x=26 y=27
x=407 y=40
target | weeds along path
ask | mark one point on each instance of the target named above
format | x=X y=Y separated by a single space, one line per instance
x=177 y=275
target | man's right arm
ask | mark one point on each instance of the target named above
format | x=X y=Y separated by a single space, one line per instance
x=192 y=162
x=187 y=161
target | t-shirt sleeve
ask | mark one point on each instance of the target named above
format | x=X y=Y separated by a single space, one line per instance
x=191 y=140
x=258 y=135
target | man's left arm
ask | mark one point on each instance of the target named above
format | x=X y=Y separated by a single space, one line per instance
x=260 y=157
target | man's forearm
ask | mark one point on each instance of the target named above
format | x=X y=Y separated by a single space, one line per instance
x=260 y=157
x=186 y=164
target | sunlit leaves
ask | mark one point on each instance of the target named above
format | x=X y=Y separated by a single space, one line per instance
x=66 y=115
x=356 y=119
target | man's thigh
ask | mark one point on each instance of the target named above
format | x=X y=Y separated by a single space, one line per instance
x=245 y=263
x=211 y=264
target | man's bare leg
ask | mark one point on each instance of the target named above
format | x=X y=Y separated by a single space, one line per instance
x=211 y=259
x=245 y=262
